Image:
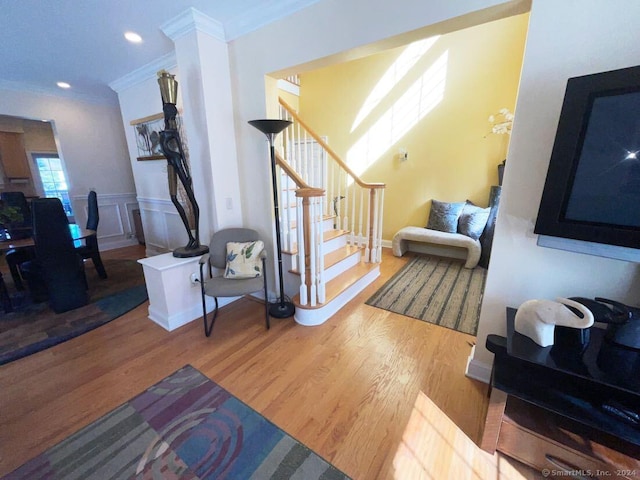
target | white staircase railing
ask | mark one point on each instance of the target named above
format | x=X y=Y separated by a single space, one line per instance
x=323 y=186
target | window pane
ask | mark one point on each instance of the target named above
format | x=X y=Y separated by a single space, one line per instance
x=58 y=177
x=54 y=182
x=55 y=164
x=42 y=163
x=46 y=176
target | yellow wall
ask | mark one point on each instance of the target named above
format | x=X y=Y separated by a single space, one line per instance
x=451 y=155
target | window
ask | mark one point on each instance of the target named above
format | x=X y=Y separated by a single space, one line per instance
x=53 y=178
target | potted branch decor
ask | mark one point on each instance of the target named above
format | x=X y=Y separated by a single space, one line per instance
x=8 y=217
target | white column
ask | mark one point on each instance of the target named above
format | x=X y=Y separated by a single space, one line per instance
x=204 y=82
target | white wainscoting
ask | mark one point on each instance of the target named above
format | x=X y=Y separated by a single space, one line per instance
x=116 y=227
x=163 y=228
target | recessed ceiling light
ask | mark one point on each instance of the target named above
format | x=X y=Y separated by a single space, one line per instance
x=63 y=85
x=133 y=37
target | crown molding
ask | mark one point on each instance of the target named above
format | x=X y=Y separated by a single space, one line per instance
x=56 y=92
x=145 y=72
x=192 y=19
x=260 y=16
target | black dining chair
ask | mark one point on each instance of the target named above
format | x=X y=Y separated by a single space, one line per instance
x=18 y=230
x=90 y=248
x=57 y=273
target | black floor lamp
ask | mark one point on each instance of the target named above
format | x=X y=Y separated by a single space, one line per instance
x=271 y=128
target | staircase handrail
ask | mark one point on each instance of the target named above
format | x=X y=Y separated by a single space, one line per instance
x=327 y=148
x=321 y=179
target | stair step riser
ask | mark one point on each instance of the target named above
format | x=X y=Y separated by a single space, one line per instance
x=330 y=272
x=310 y=317
x=342 y=266
x=329 y=245
x=334 y=243
x=327 y=224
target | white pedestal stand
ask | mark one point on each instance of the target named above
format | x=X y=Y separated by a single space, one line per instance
x=173 y=299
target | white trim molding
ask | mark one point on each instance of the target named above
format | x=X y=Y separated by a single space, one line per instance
x=116 y=227
x=477 y=370
x=163 y=228
x=142 y=74
x=57 y=92
x=262 y=15
x=189 y=20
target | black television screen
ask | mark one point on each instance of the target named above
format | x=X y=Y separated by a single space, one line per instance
x=592 y=190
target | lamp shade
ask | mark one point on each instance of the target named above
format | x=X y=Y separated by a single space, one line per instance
x=168 y=87
x=270 y=126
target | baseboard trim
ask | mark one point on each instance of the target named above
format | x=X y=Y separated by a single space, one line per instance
x=104 y=246
x=478 y=370
x=171 y=322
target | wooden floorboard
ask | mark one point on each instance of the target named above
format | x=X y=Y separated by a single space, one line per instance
x=380 y=395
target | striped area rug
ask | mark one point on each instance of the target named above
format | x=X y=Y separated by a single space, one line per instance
x=184 y=427
x=435 y=290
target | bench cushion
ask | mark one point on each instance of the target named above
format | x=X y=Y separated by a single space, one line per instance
x=426 y=235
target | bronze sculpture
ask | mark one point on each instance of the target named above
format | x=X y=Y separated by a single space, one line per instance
x=177 y=167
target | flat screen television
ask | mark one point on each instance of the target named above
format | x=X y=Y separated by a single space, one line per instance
x=592 y=190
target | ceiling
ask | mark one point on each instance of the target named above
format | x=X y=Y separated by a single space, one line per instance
x=81 y=42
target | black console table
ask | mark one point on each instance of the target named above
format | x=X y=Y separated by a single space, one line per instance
x=550 y=407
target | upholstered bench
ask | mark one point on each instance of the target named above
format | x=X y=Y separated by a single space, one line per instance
x=426 y=235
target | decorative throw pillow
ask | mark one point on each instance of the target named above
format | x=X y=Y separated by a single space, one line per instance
x=243 y=259
x=472 y=220
x=444 y=216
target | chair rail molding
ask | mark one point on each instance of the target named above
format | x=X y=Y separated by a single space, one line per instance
x=163 y=228
x=116 y=228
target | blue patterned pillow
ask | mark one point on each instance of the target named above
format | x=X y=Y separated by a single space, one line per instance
x=472 y=220
x=243 y=259
x=444 y=216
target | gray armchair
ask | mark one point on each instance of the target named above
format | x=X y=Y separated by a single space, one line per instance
x=219 y=286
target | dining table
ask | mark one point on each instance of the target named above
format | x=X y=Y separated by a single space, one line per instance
x=77 y=233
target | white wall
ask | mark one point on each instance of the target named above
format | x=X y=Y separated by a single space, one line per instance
x=565 y=39
x=91 y=142
x=326 y=32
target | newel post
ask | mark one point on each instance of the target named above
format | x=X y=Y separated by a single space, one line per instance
x=309 y=242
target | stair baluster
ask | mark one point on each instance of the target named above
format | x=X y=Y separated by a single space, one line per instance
x=360 y=235
x=313 y=241
x=319 y=234
x=380 y=217
x=301 y=254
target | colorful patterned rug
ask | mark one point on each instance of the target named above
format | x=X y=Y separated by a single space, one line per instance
x=184 y=427
x=35 y=327
x=435 y=290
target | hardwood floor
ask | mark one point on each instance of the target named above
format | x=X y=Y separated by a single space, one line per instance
x=379 y=395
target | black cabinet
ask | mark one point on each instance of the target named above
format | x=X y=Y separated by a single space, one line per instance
x=550 y=406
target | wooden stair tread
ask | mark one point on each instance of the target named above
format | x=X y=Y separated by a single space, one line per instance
x=339 y=284
x=339 y=254
x=331 y=258
x=335 y=233
x=326 y=236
